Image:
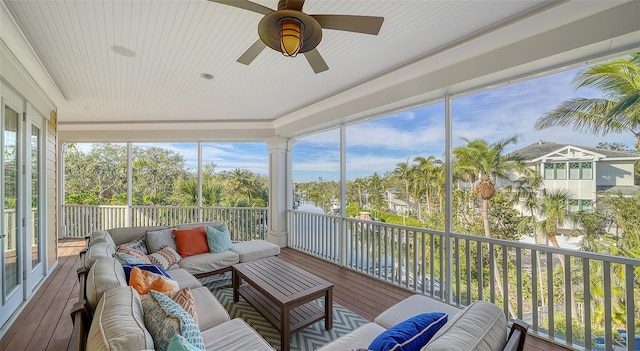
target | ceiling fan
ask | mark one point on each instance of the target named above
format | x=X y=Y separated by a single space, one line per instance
x=291 y=31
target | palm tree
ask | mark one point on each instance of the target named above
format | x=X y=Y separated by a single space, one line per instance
x=554 y=212
x=427 y=171
x=618 y=111
x=479 y=159
x=403 y=172
x=524 y=192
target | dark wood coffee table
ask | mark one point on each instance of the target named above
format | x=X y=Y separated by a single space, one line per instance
x=283 y=294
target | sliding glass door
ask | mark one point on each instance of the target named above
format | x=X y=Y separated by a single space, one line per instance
x=34 y=191
x=12 y=249
x=22 y=175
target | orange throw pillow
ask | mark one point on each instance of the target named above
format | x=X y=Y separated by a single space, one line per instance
x=143 y=281
x=191 y=241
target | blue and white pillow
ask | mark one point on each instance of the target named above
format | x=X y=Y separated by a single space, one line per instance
x=411 y=334
x=164 y=318
x=219 y=238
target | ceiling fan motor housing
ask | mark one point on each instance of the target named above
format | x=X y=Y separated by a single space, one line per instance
x=269 y=29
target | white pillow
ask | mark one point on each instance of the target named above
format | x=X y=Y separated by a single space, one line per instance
x=482 y=326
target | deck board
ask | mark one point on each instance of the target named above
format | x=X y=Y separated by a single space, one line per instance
x=45 y=324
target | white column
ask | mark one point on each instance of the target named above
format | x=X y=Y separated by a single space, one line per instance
x=279 y=180
x=129 y=212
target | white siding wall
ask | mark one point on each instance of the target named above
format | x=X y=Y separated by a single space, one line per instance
x=614 y=173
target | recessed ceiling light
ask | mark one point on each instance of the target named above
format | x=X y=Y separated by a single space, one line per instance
x=122 y=51
x=206 y=75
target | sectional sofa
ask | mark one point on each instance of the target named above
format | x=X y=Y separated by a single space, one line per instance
x=109 y=313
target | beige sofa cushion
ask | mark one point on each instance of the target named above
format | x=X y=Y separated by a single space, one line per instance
x=234 y=335
x=159 y=239
x=413 y=306
x=184 y=278
x=127 y=234
x=210 y=311
x=360 y=338
x=105 y=273
x=101 y=236
x=481 y=326
x=208 y=262
x=254 y=250
x=203 y=224
x=96 y=251
x=118 y=323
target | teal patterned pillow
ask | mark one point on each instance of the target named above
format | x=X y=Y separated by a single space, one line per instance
x=179 y=343
x=219 y=238
x=164 y=318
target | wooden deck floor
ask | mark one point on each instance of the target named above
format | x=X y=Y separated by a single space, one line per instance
x=45 y=324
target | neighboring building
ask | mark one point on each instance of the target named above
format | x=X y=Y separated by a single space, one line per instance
x=397 y=205
x=586 y=172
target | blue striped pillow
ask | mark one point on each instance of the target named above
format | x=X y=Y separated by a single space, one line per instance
x=411 y=334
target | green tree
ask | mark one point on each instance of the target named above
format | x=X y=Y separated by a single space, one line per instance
x=481 y=160
x=429 y=178
x=618 y=111
x=155 y=170
x=404 y=173
x=554 y=212
x=487 y=162
x=97 y=176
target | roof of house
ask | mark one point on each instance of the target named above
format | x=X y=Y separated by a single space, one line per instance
x=542 y=148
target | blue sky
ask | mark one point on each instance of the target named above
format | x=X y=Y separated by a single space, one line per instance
x=378 y=145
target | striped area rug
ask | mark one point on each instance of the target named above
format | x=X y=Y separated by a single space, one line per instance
x=307 y=339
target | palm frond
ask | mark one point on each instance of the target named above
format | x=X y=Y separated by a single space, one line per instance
x=585 y=115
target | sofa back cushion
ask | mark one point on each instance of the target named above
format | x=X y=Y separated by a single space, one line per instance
x=105 y=273
x=160 y=238
x=118 y=323
x=96 y=251
x=198 y=224
x=481 y=326
x=101 y=236
x=127 y=234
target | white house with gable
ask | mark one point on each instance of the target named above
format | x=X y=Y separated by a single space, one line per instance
x=585 y=172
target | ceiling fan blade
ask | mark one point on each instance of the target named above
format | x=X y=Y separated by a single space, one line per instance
x=295 y=5
x=316 y=61
x=245 y=5
x=349 y=23
x=252 y=52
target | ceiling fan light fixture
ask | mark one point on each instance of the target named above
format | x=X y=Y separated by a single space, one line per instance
x=291 y=39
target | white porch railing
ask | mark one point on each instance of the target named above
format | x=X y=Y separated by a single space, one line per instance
x=9 y=225
x=245 y=223
x=542 y=285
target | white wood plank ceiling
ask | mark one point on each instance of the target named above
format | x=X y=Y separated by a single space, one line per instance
x=174 y=42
